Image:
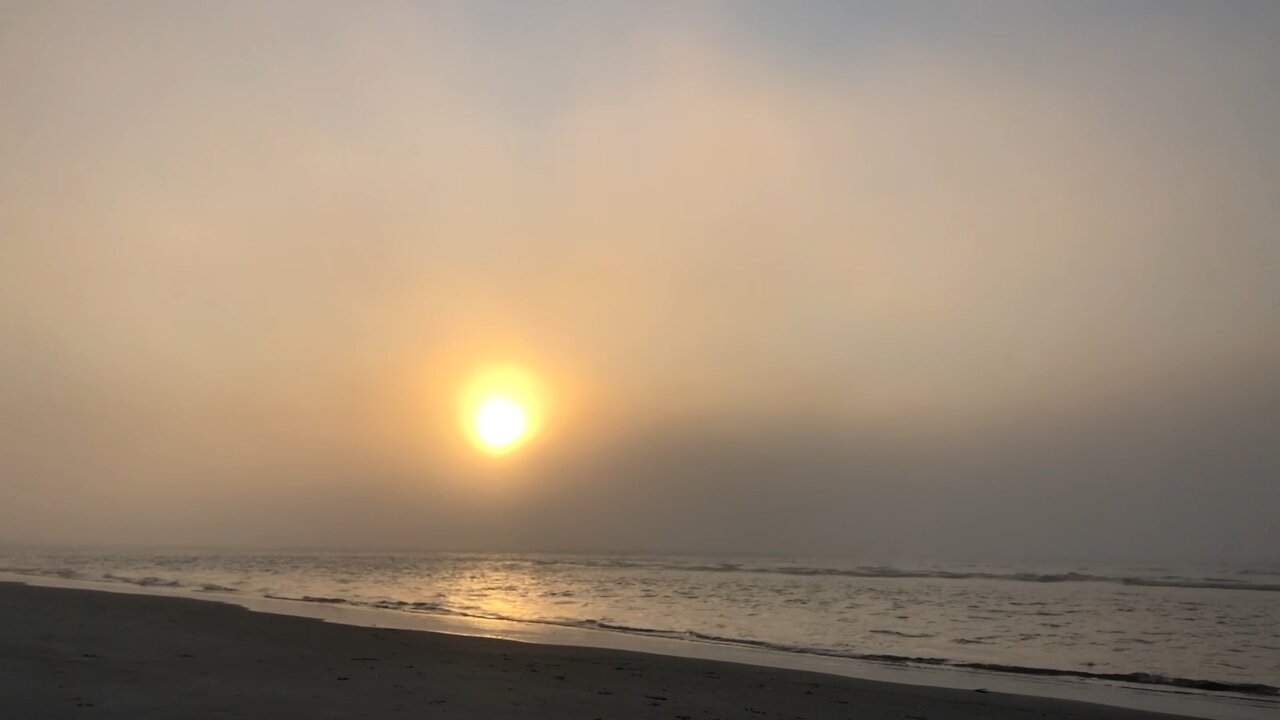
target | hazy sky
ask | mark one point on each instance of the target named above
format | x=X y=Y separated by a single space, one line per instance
x=970 y=279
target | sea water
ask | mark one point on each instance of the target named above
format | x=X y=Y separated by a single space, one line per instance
x=1206 y=628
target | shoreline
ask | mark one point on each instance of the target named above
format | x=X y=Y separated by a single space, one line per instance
x=1170 y=700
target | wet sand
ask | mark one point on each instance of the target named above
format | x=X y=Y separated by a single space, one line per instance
x=85 y=654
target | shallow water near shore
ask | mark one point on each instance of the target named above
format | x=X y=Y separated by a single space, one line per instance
x=1196 y=629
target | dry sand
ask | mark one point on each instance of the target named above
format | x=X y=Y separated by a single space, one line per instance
x=85 y=654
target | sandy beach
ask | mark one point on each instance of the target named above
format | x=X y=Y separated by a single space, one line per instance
x=77 y=653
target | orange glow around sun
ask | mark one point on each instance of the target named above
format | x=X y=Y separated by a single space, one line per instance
x=501 y=408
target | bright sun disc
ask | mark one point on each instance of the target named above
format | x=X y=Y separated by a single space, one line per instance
x=500 y=423
x=502 y=408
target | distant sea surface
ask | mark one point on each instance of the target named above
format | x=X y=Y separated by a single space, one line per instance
x=1208 y=628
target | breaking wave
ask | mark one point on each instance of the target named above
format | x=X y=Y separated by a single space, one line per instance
x=867 y=571
x=673 y=572
x=885 y=571
x=1144 y=678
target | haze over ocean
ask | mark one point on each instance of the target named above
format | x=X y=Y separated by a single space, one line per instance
x=915 y=280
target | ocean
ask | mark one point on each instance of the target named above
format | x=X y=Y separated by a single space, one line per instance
x=1200 y=628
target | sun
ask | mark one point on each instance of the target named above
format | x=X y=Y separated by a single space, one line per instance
x=502 y=408
x=500 y=423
